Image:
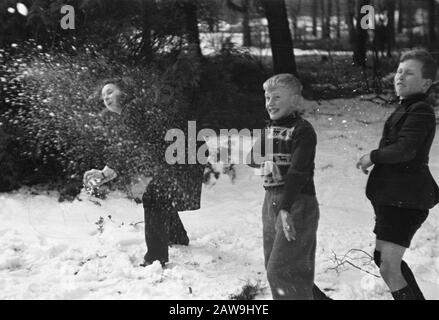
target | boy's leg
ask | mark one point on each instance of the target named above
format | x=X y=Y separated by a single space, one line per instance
x=269 y=214
x=400 y=279
x=290 y=269
x=395 y=228
x=390 y=265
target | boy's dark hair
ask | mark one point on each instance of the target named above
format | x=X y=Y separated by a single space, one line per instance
x=429 y=65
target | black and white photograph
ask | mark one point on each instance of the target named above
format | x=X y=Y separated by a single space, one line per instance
x=219 y=150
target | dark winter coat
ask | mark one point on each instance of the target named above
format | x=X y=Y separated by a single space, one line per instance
x=401 y=176
x=141 y=147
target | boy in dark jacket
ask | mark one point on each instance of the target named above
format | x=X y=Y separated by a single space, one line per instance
x=290 y=211
x=400 y=186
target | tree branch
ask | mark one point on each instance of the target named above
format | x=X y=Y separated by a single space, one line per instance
x=346 y=259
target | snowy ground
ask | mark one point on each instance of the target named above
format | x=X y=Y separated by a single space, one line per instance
x=212 y=42
x=52 y=250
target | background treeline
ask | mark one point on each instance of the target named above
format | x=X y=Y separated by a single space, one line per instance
x=51 y=128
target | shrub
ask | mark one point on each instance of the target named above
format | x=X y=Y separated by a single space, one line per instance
x=60 y=113
x=248 y=292
x=231 y=93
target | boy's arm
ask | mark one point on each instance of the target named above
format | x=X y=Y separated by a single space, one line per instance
x=302 y=166
x=413 y=132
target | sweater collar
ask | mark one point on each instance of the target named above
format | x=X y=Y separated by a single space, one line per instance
x=285 y=121
x=412 y=99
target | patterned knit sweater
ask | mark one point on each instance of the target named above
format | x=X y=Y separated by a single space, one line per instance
x=290 y=165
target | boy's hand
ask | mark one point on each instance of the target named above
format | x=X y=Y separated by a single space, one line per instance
x=364 y=163
x=288 y=225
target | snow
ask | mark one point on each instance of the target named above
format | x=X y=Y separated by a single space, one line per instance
x=52 y=250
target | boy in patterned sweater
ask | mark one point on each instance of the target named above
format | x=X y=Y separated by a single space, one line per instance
x=290 y=211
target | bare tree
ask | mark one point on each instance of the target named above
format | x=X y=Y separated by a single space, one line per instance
x=338 y=12
x=409 y=23
x=192 y=33
x=400 y=15
x=324 y=19
x=148 y=8
x=350 y=14
x=432 y=24
x=361 y=36
x=294 y=12
x=280 y=36
x=327 y=17
x=244 y=9
x=390 y=8
x=314 y=10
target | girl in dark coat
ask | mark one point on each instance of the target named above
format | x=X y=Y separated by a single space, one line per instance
x=139 y=145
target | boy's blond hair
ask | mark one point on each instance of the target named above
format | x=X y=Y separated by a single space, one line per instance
x=283 y=80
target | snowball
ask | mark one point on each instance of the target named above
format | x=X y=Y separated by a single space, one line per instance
x=22 y=9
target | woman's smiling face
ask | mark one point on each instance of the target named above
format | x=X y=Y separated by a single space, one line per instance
x=111 y=94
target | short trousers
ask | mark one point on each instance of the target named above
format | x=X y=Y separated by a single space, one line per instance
x=397 y=225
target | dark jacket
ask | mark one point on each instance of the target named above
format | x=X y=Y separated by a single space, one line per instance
x=293 y=142
x=401 y=176
x=140 y=146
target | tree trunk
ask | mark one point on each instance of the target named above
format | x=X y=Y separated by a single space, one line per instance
x=280 y=37
x=409 y=22
x=314 y=17
x=360 y=49
x=244 y=9
x=400 y=16
x=146 y=51
x=324 y=19
x=294 y=21
x=350 y=21
x=294 y=14
x=390 y=4
x=338 y=10
x=191 y=24
x=328 y=19
x=432 y=24
x=246 y=31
